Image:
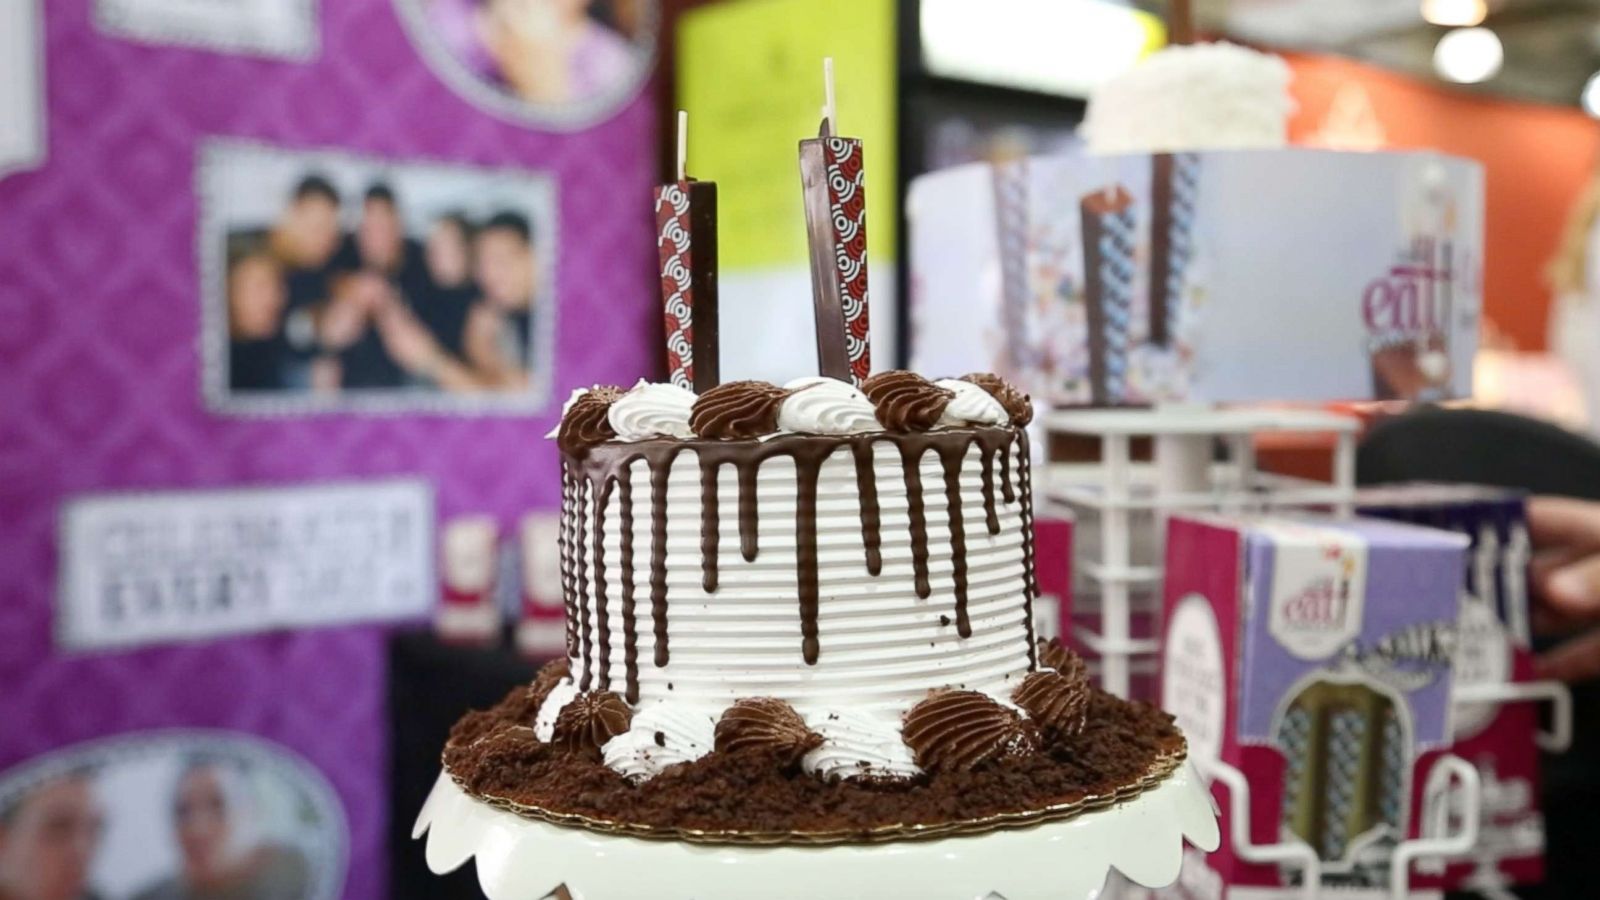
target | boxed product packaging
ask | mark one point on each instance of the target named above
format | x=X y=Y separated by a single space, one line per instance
x=541 y=621
x=1052 y=562
x=1149 y=278
x=469 y=552
x=1315 y=656
x=1493 y=647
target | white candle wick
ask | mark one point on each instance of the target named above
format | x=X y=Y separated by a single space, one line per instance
x=683 y=144
x=829 y=110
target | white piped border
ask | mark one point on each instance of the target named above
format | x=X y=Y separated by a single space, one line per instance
x=521 y=859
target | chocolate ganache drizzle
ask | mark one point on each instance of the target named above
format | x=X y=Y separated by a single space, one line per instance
x=726 y=423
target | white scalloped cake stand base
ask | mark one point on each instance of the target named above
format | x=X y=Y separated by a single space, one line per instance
x=522 y=859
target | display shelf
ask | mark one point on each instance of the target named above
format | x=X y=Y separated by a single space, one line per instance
x=524 y=859
x=1452 y=802
x=1198 y=420
x=1126 y=503
x=1123 y=574
x=1452 y=791
x=1106 y=646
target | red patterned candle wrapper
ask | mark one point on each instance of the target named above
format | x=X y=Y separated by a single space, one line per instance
x=686 y=245
x=833 y=178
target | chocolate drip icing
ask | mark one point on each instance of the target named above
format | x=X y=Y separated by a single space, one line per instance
x=807 y=467
x=604 y=472
x=991 y=517
x=579 y=543
x=1031 y=588
x=564 y=540
x=919 y=521
x=601 y=614
x=630 y=625
x=747 y=512
x=871 y=522
x=1006 y=491
x=658 y=552
x=710 y=525
x=952 y=457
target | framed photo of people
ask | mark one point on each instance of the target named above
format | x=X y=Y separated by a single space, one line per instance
x=168 y=814
x=337 y=282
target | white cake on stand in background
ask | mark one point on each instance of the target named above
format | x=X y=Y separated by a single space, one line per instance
x=1193 y=97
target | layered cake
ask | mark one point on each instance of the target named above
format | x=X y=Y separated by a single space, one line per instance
x=804 y=612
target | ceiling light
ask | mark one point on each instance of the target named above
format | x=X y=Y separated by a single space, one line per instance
x=1591 y=96
x=1064 y=47
x=1468 y=55
x=1455 y=13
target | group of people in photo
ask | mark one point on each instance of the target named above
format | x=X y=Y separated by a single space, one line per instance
x=313 y=308
x=52 y=835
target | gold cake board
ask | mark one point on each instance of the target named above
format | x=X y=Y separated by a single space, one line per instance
x=1162 y=768
x=1062 y=853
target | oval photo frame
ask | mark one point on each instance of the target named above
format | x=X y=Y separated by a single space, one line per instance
x=489 y=53
x=153 y=808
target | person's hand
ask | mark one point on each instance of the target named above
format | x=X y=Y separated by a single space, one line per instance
x=531 y=48
x=345 y=317
x=408 y=341
x=1565 y=577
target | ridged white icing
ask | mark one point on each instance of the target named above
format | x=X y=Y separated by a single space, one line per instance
x=651 y=411
x=821 y=405
x=687 y=732
x=881 y=647
x=971 y=405
x=859 y=744
x=544 y=724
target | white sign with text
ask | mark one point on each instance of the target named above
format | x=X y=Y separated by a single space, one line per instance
x=146 y=568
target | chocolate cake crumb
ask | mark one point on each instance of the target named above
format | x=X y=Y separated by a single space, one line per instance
x=661 y=739
x=495 y=754
x=944 y=621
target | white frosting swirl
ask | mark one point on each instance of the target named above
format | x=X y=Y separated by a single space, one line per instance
x=972 y=405
x=821 y=405
x=857 y=743
x=650 y=411
x=662 y=735
x=565 y=408
x=544 y=724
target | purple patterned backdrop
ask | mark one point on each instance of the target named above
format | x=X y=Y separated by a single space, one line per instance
x=99 y=379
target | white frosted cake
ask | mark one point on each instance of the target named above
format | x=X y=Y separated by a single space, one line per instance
x=1193 y=97
x=804 y=610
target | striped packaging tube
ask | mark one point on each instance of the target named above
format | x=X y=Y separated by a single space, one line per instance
x=1108 y=267
x=1175 y=191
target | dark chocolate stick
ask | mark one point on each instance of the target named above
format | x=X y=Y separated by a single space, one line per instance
x=832 y=178
x=686 y=245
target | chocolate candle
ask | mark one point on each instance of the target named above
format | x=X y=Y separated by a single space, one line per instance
x=686 y=241
x=1108 y=241
x=831 y=174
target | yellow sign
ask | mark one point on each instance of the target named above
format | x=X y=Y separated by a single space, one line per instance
x=750 y=75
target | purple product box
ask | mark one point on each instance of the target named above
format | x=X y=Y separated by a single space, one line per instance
x=1355 y=601
x=1316 y=656
x=1494 y=520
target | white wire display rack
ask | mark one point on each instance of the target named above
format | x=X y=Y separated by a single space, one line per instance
x=1121 y=505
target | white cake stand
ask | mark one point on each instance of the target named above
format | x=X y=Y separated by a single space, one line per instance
x=523 y=859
